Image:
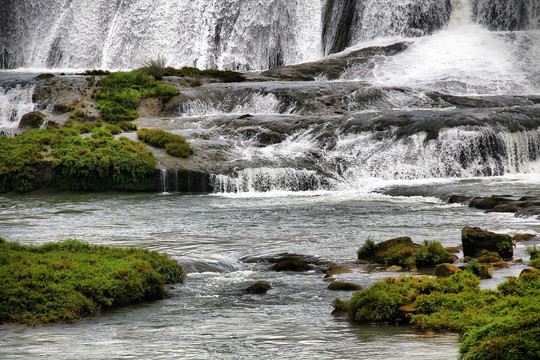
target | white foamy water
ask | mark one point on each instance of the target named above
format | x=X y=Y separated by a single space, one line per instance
x=14 y=103
x=236 y=104
x=466 y=58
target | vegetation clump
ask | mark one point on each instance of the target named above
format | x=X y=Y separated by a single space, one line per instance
x=175 y=145
x=158 y=69
x=69 y=280
x=96 y=162
x=403 y=252
x=503 y=324
x=122 y=92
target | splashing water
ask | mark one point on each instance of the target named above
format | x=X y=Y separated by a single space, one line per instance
x=14 y=103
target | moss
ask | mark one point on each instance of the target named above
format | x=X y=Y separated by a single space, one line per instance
x=344 y=286
x=403 y=252
x=175 y=145
x=81 y=163
x=502 y=324
x=69 y=280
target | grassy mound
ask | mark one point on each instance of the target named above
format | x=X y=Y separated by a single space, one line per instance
x=175 y=145
x=70 y=280
x=96 y=161
x=503 y=324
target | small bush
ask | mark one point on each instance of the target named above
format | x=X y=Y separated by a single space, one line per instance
x=368 y=250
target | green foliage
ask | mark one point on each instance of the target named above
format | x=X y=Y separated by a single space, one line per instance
x=157 y=69
x=69 y=280
x=94 y=163
x=368 y=250
x=122 y=92
x=502 y=324
x=175 y=145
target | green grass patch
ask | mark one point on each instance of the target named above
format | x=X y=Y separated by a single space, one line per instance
x=175 y=145
x=502 y=324
x=96 y=161
x=157 y=69
x=121 y=94
x=69 y=280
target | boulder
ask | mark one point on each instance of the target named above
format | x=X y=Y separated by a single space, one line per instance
x=446 y=270
x=32 y=120
x=344 y=286
x=292 y=265
x=394 y=268
x=476 y=239
x=524 y=237
x=258 y=288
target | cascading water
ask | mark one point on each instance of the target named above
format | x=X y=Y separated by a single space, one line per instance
x=232 y=34
x=14 y=103
x=248 y=34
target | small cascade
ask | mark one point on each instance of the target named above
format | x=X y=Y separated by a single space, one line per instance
x=14 y=103
x=235 y=103
x=349 y=154
x=268 y=179
x=164 y=179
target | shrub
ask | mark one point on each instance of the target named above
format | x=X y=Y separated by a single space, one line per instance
x=69 y=280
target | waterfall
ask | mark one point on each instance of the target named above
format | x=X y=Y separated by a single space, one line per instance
x=346 y=155
x=228 y=34
x=14 y=103
x=232 y=34
x=268 y=179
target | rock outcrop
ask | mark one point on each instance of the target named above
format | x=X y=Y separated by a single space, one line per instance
x=476 y=239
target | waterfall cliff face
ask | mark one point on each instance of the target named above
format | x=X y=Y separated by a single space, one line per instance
x=231 y=34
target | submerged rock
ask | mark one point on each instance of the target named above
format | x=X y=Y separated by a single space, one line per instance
x=476 y=239
x=258 y=288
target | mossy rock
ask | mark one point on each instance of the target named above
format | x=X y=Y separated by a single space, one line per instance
x=524 y=237
x=338 y=271
x=476 y=239
x=44 y=76
x=32 y=120
x=292 y=265
x=454 y=249
x=258 y=288
x=446 y=270
x=344 y=286
x=529 y=274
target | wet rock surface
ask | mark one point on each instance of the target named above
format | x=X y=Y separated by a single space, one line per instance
x=521 y=206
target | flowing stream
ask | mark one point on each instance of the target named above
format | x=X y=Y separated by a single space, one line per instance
x=313 y=168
